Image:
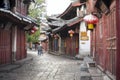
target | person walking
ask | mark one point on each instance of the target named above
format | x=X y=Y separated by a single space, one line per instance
x=40 y=49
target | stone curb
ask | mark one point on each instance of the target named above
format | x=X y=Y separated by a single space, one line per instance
x=15 y=65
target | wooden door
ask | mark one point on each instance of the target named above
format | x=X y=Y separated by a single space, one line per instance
x=5 y=46
x=21 y=52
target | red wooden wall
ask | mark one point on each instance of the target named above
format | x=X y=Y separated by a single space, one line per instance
x=5 y=46
x=118 y=39
x=21 y=8
x=6 y=38
x=104 y=41
x=21 y=52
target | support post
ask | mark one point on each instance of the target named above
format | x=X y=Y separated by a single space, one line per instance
x=14 y=40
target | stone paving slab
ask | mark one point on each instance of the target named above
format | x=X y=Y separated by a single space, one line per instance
x=97 y=78
x=15 y=65
x=8 y=68
x=48 y=67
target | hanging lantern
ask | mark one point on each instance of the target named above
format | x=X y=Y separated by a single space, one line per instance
x=71 y=32
x=91 y=20
x=32 y=31
x=35 y=28
x=90 y=26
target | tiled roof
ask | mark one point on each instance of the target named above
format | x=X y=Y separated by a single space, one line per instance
x=17 y=16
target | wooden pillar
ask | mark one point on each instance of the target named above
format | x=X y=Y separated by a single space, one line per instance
x=59 y=43
x=14 y=47
x=118 y=39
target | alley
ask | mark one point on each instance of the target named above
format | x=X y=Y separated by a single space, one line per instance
x=45 y=67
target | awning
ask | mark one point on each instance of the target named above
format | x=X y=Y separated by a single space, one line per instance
x=74 y=21
x=52 y=18
x=68 y=23
x=58 y=29
x=45 y=27
x=16 y=18
x=10 y=15
x=57 y=23
x=70 y=12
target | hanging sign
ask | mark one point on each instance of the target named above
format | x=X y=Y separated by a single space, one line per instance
x=83 y=34
x=84 y=38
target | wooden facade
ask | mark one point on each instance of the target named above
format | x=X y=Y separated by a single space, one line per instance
x=72 y=45
x=5 y=46
x=61 y=42
x=21 y=44
x=118 y=39
x=104 y=42
x=65 y=44
x=105 y=38
x=13 y=23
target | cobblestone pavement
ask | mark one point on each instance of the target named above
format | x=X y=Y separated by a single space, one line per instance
x=45 y=67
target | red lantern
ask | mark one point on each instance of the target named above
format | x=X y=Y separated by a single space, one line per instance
x=35 y=28
x=91 y=19
x=32 y=31
x=71 y=32
x=90 y=26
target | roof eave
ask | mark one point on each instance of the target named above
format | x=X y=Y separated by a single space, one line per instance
x=72 y=5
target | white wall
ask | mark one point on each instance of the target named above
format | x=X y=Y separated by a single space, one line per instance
x=84 y=46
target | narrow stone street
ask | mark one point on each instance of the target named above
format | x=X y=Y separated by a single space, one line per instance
x=45 y=67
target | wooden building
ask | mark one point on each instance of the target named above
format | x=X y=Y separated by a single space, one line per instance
x=117 y=39
x=44 y=31
x=13 y=25
x=104 y=38
x=60 y=39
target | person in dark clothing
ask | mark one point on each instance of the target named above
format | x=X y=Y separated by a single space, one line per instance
x=40 y=50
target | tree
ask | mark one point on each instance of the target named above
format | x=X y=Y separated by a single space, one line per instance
x=35 y=11
x=33 y=37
